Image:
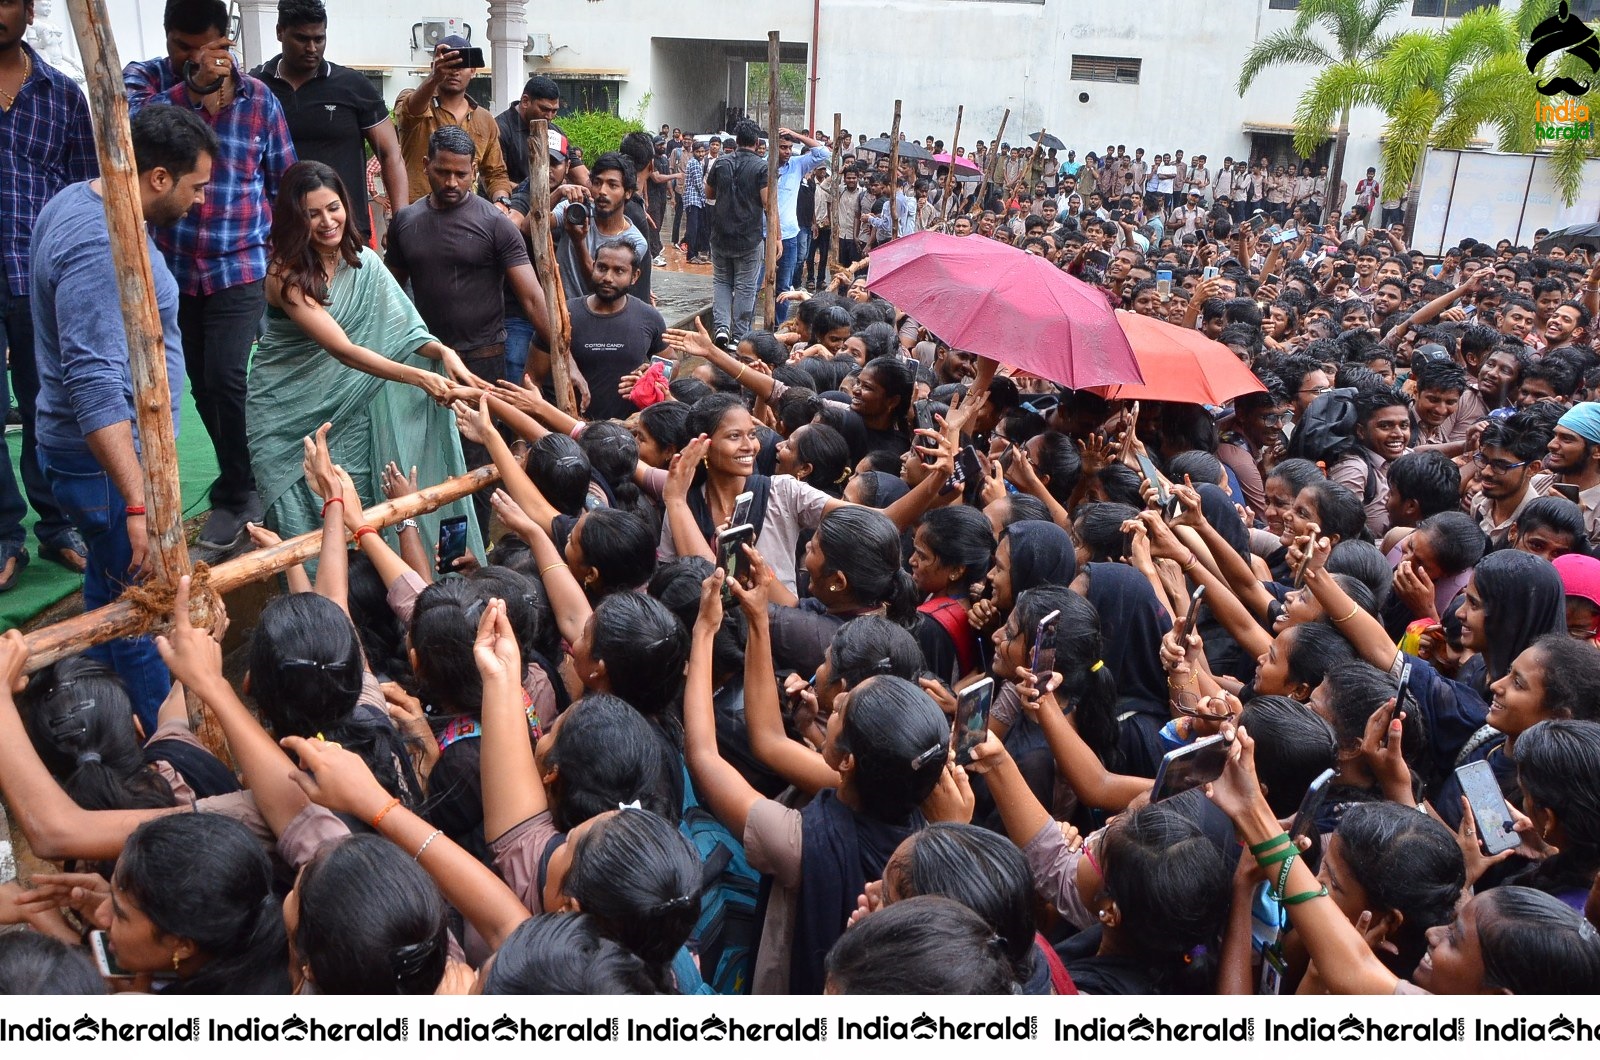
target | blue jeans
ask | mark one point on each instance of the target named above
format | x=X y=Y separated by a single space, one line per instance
x=98 y=510
x=735 y=277
x=788 y=261
x=519 y=336
x=16 y=332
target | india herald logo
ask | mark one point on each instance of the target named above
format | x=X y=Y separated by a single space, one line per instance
x=1563 y=32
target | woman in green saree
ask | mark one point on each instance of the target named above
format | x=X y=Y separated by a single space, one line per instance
x=344 y=345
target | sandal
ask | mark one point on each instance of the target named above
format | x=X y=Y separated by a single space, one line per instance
x=69 y=551
x=9 y=582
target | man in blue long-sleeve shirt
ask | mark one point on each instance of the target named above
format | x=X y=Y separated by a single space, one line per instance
x=794 y=171
x=88 y=442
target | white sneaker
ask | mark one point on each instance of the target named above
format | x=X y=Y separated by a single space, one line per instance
x=660 y=261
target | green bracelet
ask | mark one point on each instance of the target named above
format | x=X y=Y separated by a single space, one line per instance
x=1277 y=855
x=1262 y=848
x=1296 y=899
x=1283 y=876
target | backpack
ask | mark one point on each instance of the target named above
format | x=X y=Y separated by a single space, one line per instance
x=725 y=936
x=1326 y=433
x=952 y=618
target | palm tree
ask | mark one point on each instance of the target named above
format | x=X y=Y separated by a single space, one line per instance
x=1346 y=60
x=1441 y=88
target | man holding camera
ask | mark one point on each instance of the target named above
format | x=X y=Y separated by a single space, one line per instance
x=218 y=251
x=442 y=100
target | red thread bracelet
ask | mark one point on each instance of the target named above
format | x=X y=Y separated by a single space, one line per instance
x=330 y=500
x=134 y=509
x=365 y=530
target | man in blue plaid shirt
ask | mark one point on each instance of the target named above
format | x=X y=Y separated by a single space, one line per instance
x=218 y=253
x=46 y=143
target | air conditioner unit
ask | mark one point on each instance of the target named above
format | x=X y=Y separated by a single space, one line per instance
x=538 y=46
x=436 y=29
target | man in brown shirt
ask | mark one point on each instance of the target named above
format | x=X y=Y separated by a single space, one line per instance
x=442 y=100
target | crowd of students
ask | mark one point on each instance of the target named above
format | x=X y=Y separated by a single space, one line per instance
x=698 y=721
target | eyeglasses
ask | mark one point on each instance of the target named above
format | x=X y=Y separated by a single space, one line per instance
x=1316 y=390
x=1273 y=419
x=1502 y=467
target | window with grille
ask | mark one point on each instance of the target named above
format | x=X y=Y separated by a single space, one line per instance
x=1106 y=68
x=1448 y=8
x=1283 y=5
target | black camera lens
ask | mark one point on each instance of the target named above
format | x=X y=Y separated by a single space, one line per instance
x=577 y=213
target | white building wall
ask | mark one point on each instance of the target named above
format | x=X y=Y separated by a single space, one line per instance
x=932 y=54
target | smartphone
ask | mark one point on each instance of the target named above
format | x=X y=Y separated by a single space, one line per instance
x=1305 y=818
x=666 y=364
x=470 y=58
x=1567 y=490
x=1347 y=270
x=1305 y=565
x=1164 y=284
x=925 y=423
x=105 y=959
x=969 y=464
x=452 y=543
x=1287 y=235
x=1181 y=630
x=1044 y=645
x=1210 y=272
x=972 y=718
x=1496 y=828
x=1098 y=258
x=741 y=509
x=730 y=553
x=1273 y=278
x=1403 y=703
x=1154 y=478
x=1190 y=766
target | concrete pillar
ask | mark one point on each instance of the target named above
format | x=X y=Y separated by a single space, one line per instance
x=508 y=32
x=258 y=31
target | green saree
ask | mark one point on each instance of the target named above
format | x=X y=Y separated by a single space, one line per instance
x=296 y=386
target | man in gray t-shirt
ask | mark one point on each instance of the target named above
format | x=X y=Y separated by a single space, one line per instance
x=459 y=252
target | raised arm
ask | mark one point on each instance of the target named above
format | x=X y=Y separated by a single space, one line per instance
x=567 y=598
x=477 y=425
x=698 y=343
x=1092 y=783
x=1343 y=958
x=799 y=765
x=513 y=791
x=728 y=794
x=195 y=658
x=1364 y=632
x=340 y=781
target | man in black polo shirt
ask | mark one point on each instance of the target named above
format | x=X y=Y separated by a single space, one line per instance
x=331 y=110
x=541 y=99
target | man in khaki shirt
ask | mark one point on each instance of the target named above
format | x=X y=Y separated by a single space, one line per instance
x=442 y=100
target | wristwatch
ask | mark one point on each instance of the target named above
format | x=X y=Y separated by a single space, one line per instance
x=502 y=200
x=408 y=524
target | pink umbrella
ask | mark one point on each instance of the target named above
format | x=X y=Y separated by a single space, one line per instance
x=960 y=163
x=996 y=301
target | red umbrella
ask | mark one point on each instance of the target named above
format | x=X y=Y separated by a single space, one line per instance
x=994 y=300
x=1180 y=364
x=960 y=163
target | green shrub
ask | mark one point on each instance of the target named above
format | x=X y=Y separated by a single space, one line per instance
x=599 y=131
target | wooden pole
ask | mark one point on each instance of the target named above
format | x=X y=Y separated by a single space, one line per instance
x=835 y=192
x=994 y=155
x=120 y=618
x=950 y=174
x=141 y=319
x=1027 y=167
x=894 y=174
x=769 y=300
x=544 y=264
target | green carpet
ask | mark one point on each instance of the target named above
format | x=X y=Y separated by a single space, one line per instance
x=43 y=584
